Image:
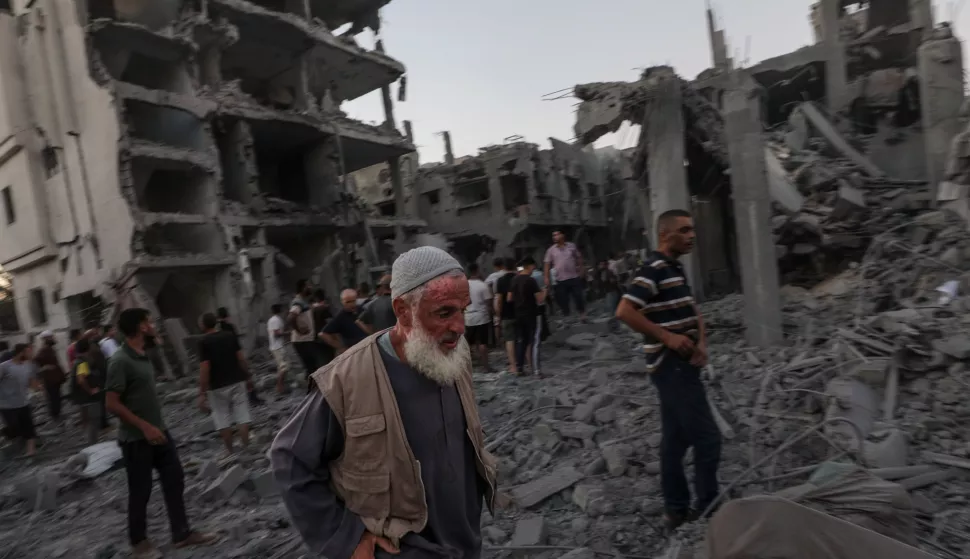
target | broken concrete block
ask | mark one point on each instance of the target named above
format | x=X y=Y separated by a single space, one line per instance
x=529 y=531
x=226 y=485
x=850 y=200
x=872 y=372
x=888 y=449
x=592 y=500
x=39 y=491
x=853 y=400
x=584 y=411
x=957 y=347
x=798 y=133
x=599 y=377
x=494 y=534
x=264 y=485
x=538 y=490
x=544 y=435
x=616 y=462
x=209 y=470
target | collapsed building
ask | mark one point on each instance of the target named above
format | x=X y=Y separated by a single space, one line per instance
x=185 y=155
x=793 y=164
x=509 y=198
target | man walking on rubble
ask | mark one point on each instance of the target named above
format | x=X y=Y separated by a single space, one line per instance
x=17 y=376
x=303 y=335
x=387 y=453
x=224 y=381
x=564 y=258
x=660 y=306
x=379 y=313
x=145 y=443
x=51 y=373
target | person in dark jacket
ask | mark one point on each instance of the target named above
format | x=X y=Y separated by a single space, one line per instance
x=51 y=373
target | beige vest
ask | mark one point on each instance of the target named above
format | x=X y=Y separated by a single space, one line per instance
x=377 y=476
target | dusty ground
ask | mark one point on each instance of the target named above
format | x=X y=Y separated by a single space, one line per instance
x=593 y=418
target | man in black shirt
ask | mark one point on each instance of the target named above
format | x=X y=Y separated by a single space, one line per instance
x=505 y=313
x=223 y=382
x=222 y=313
x=525 y=295
x=342 y=332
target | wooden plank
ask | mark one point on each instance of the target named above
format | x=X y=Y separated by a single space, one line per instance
x=538 y=490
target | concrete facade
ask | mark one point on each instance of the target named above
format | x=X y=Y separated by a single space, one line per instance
x=508 y=199
x=181 y=156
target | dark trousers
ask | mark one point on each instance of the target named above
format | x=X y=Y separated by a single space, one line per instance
x=526 y=336
x=141 y=458
x=53 y=391
x=570 y=290
x=686 y=421
x=309 y=356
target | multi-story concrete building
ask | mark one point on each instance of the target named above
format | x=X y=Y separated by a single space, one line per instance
x=183 y=155
x=510 y=198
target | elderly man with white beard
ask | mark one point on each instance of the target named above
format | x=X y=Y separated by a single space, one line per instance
x=386 y=455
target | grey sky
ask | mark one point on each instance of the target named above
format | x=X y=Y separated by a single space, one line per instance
x=480 y=68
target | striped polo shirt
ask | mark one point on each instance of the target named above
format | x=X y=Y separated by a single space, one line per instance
x=660 y=291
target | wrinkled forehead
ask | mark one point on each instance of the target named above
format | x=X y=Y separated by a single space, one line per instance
x=446 y=291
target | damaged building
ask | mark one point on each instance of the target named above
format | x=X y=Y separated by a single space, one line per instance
x=791 y=165
x=508 y=199
x=185 y=155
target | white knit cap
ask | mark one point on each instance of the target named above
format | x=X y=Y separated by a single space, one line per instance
x=46 y=334
x=417 y=267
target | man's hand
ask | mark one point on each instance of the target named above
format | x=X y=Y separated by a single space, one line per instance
x=153 y=434
x=681 y=344
x=365 y=549
x=699 y=357
x=203 y=403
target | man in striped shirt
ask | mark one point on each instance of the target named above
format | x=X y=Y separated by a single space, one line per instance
x=660 y=306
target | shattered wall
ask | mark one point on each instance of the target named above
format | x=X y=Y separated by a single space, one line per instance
x=180 y=140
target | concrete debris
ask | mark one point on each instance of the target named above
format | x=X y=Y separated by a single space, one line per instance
x=226 y=485
x=529 y=531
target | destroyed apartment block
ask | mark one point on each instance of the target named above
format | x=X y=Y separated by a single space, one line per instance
x=793 y=164
x=183 y=156
x=508 y=199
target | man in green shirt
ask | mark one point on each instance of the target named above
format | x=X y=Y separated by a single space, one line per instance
x=145 y=443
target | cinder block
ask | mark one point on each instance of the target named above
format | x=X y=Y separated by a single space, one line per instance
x=226 y=485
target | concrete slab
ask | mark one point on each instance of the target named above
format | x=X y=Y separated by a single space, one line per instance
x=226 y=485
x=538 y=490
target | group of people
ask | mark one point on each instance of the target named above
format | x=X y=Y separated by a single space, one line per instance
x=23 y=368
x=317 y=334
x=386 y=454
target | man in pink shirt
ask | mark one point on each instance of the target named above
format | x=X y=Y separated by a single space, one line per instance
x=566 y=260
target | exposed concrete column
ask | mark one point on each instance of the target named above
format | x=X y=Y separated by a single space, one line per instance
x=449 y=154
x=941 y=97
x=664 y=121
x=921 y=14
x=495 y=193
x=322 y=173
x=210 y=60
x=752 y=214
x=836 y=81
x=240 y=173
x=400 y=211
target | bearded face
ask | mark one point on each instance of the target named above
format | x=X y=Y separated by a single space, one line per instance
x=434 y=328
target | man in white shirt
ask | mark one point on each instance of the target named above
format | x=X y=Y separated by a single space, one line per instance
x=109 y=343
x=478 y=315
x=500 y=270
x=274 y=329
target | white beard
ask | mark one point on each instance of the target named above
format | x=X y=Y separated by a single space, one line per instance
x=425 y=355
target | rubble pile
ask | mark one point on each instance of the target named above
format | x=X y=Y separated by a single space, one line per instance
x=846 y=202
x=859 y=415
